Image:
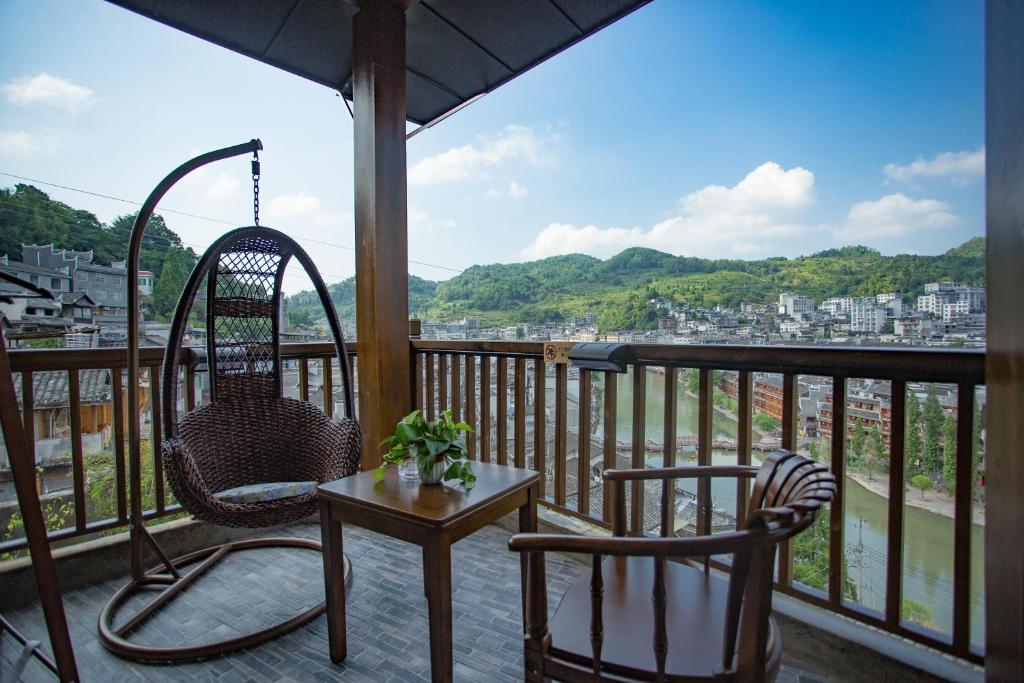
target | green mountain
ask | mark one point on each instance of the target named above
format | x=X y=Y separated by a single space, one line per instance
x=29 y=216
x=617 y=289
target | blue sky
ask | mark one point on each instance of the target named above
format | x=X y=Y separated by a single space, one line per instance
x=721 y=129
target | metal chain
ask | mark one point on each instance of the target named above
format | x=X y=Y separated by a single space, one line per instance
x=256 y=188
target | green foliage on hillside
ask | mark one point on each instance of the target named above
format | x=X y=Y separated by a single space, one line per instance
x=617 y=290
x=29 y=216
x=304 y=307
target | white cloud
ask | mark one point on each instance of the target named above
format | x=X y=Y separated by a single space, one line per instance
x=894 y=215
x=749 y=217
x=458 y=163
x=299 y=206
x=49 y=90
x=17 y=143
x=513 y=191
x=959 y=168
x=420 y=219
x=222 y=188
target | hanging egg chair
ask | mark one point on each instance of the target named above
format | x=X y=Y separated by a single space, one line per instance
x=248 y=457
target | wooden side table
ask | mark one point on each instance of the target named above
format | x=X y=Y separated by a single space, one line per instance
x=431 y=516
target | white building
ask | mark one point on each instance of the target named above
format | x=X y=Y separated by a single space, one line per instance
x=795 y=305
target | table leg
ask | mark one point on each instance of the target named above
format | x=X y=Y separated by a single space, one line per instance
x=437 y=570
x=527 y=524
x=334 y=582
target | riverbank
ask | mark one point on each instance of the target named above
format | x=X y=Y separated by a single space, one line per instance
x=935 y=502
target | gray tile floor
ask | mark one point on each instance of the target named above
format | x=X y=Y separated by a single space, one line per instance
x=386 y=611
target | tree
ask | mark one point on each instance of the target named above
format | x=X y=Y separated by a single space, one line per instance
x=933 y=419
x=810 y=558
x=875 y=449
x=923 y=483
x=812 y=448
x=913 y=442
x=857 y=442
x=765 y=422
x=949 y=452
x=976 y=426
x=176 y=268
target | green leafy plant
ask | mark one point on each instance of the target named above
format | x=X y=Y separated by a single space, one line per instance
x=429 y=442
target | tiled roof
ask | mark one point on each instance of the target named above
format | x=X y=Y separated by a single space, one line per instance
x=50 y=388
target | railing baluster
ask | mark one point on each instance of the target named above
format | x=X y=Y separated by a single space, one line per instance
x=963 y=492
x=836 y=541
x=790 y=417
x=470 y=417
x=744 y=439
x=583 y=447
x=668 y=459
x=502 y=411
x=705 y=414
x=156 y=440
x=636 y=508
x=431 y=388
x=417 y=360
x=328 y=386
x=304 y=379
x=519 y=400
x=894 y=553
x=118 y=419
x=77 y=464
x=540 y=424
x=456 y=373
x=442 y=381
x=596 y=614
x=485 y=408
x=561 y=429
x=28 y=414
x=190 y=388
x=609 y=415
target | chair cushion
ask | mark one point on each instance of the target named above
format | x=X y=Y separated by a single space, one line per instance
x=266 y=491
x=695 y=616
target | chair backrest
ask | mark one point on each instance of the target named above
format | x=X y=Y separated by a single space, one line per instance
x=788 y=492
x=243 y=272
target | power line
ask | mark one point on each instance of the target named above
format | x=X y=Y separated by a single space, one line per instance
x=159 y=239
x=197 y=216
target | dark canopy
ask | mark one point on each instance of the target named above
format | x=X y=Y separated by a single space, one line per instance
x=456 y=50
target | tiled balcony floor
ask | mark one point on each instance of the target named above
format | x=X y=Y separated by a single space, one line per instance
x=387 y=621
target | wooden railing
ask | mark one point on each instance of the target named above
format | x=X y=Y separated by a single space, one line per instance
x=473 y=380
x=501 y=388
x=113 y=360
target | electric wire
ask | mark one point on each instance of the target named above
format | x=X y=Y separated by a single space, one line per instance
x=199 y=217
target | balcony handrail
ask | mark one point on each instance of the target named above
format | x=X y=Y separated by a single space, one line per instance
x=500 y=387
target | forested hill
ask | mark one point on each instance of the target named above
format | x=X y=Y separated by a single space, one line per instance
x=29 y=216
x=617 y=289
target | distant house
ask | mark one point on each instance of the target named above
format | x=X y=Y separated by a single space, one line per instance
x=51 y=418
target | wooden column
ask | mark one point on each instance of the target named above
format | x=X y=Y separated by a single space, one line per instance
x=1004 y=371
x=382 y=277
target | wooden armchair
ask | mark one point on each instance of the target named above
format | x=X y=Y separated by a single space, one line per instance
x=652 y=619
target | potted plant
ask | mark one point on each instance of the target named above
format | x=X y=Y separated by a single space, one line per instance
x=437 y=447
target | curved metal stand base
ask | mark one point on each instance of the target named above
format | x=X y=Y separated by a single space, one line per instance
x=114 y=638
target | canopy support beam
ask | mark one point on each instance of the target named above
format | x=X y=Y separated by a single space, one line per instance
x=381 y=222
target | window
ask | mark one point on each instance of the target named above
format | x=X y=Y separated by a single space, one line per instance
x=55 y=283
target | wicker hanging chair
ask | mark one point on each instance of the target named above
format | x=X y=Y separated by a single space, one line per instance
x=251 y=457
x=248 y=457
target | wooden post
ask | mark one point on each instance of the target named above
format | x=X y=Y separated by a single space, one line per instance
x=1004 y=371
x=382 y=277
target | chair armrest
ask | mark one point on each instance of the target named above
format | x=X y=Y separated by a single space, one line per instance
x=698 y=472
x=692 y=546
